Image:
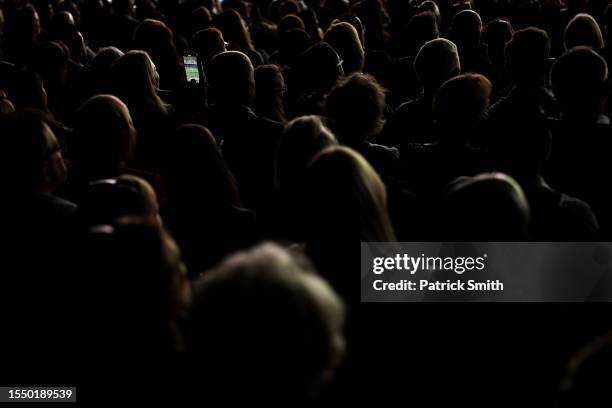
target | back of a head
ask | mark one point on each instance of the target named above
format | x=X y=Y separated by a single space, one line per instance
x=461 y=101
x=290 y=22
x=344 y=39
x=465 y=30
x=29 y=143
x=134 y=80
x=194 y=170
x=578 y=79
x=583 y=30
x=421 y=28
x=104 y=134
x=356 y=106
x=234 y=30
x=105 y=58
x=208 y=43
x=291 y=44
x=232 y=78
x=343 y=198
x=133 y=294
x=436 y=62
x=152 y=35
x=432 y=7
x=487 y=207
x=527 y=56
x=302 y=139
x=497 y=33
x=110 y=199
x=279 y=334
x=318 y=68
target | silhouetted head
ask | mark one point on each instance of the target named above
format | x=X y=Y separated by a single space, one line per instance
x=234 y=30
x=343 y=200
x=318 y=68
x=200 y=19
x=461 y=103
x=487 y=207
x=497 y=33
x=432 y=7
x=527 y=56
x=208 y=43
x=22 y=25
x=436 y=62
x=465 y=30
x=356 y=106
x=290 y=22
x=110 y=199
x=231 y=78
x=344 y=39
x=105 y=58
x=353 y=20
x=104 y=136
x=292 y=44
x=579 y=82
x=421 y=28
x=134 y=79
x=135 y=292
x=33 y=161
x=583 y=30
x=302 y=139
x=270 y=90
x=51 y=63
x=279 y=333
x=195 y=173
x=311 y=23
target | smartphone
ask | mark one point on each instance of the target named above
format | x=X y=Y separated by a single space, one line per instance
x=193 y=73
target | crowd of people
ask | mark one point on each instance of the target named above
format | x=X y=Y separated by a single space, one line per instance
x=210 y=222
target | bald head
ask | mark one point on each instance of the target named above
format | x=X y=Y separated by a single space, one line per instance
x=232 y=79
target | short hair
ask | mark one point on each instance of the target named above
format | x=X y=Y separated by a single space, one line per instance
x=263 y=316
x=579 y=79
x=356 y=104
x=436 y=62
x=583 y=30
x=486 y=207
x=527 y=54
x=466 y=29
x=462 y=99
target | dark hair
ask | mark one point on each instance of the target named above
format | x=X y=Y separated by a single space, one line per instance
x=356 y=105
x=527 y=55
x=487 y=207
x=343 y=198
x=345 y=40
x=301 y=140
x=269 y=92
x=195 y=172
x=104 y=136
x=232 y=78
x=578 y=79
x=234 y=30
